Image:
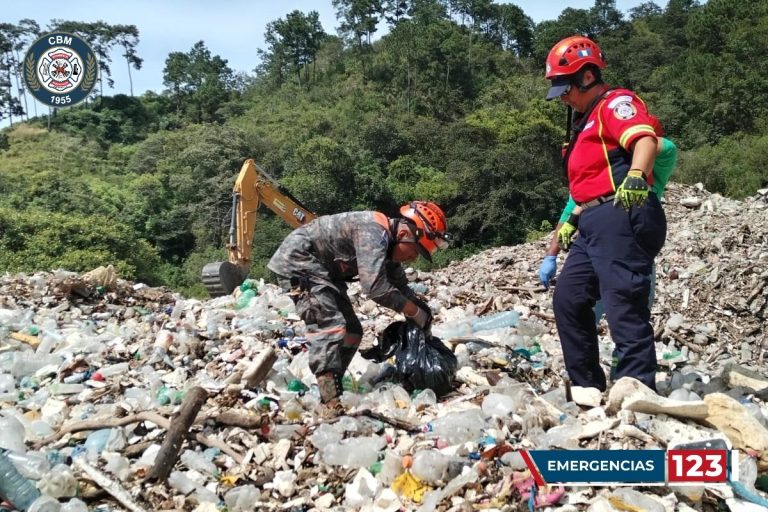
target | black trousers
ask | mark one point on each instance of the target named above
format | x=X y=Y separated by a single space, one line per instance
x=612 y=260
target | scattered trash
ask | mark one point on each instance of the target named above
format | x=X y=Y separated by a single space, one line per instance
x=130 y=396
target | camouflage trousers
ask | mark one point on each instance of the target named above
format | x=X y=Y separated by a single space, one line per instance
x=333 y=329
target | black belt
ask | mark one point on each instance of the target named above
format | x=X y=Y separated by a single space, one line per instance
x=597 y=201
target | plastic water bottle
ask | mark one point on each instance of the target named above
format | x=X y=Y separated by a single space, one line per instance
x=32 y=465
x=14 y=487
x=113 y=369
x=496 y=321
x=178 y=309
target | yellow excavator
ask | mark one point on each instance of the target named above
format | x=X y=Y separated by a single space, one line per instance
x=252 y=188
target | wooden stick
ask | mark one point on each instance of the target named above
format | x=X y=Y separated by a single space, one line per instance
x=152 y=416
x=238 y=419
x=522 y=288
x=109 y=485
x=104 y=423
x=543 y=316
x=177 y=433
x=691 y=345
x=259 y=369
x=134 y=450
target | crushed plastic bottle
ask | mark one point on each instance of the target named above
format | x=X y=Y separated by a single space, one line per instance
x=242 y=498
x=630 y=499
x=74 y=505
x=497 y=404
x=182 y=483
x=45 y=504
x=111 y=439
x=59 y=482
x=244 y=300
x=429 y=466
x=12 y=437
x=358 y=452
x=747 y=472
x=14 y=487
x=458 y=427
x=418 y=287
x=496 y=321
x=117 y=465
x=7 y=383
x=198 y=462
x=425 y=398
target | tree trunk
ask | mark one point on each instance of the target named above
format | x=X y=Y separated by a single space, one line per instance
x=22 y=89
x=130 y=78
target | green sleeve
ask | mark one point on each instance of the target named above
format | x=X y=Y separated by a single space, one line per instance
x=664 y=166
x=569 y=206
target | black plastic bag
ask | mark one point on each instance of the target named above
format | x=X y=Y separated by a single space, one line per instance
x=421 y=361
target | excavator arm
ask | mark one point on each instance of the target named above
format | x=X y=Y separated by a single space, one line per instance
x=253 y=187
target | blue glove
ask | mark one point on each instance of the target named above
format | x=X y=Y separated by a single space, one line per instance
x=547 y=270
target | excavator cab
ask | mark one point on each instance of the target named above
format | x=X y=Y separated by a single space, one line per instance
x=253 y=187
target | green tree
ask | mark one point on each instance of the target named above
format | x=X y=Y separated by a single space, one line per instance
x=359 y=19
x=321 y=174
x=127 y=37
x=292 y=44
x=199 y=82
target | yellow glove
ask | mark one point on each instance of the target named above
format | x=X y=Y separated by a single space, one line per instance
x=633 y=191
x=566 y=232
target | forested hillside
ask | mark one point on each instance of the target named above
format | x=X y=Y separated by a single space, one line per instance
x=446 y=106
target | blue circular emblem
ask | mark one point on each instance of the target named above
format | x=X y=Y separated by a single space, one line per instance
x=60 y=69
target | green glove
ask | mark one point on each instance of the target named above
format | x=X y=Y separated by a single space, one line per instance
x=566 y=232
x=633 y=191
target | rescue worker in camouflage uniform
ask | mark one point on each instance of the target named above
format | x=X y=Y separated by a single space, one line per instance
x=315 y=262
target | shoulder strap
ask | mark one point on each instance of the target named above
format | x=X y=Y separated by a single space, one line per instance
x=578 y=126
x=389 y=224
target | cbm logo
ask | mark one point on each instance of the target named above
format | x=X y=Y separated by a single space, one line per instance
x=60 y=69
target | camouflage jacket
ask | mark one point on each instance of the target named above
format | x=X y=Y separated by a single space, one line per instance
x=341 y=247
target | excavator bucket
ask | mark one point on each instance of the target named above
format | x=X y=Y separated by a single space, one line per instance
x=221 y=278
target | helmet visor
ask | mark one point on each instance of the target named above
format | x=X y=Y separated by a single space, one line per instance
x=558 y=87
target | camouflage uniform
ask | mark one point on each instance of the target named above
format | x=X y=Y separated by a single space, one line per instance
x=314 y=263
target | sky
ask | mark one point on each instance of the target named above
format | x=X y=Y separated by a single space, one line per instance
x=232 y=29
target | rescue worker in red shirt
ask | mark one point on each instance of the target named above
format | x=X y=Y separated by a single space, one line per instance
x=609 y=163
x=316 y=260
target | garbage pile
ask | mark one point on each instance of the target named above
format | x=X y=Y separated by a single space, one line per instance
x=119 y=396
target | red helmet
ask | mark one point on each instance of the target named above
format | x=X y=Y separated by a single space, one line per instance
x=571 y=54
x=431 y=227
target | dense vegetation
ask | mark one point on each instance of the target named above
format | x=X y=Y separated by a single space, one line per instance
x=447 y=106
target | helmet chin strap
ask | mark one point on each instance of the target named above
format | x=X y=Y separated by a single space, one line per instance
x=578 y=78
